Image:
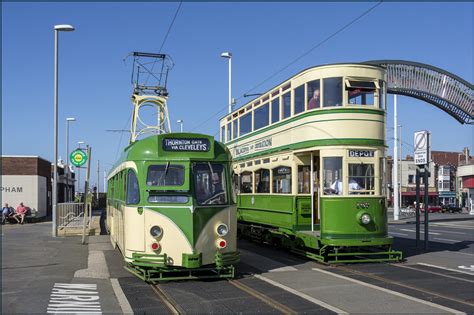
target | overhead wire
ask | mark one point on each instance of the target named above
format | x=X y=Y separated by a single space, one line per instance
x=319 y=44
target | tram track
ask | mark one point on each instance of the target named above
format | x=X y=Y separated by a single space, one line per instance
x=169 y=302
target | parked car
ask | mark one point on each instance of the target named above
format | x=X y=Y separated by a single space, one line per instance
x=432 y=209
x=451 y=209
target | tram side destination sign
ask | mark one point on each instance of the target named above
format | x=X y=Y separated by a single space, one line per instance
x=421 y=142
x=186 y=145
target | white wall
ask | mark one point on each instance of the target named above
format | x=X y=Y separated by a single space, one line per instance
x=29 y=189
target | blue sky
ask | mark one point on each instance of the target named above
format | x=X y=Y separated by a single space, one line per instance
x=263 y=37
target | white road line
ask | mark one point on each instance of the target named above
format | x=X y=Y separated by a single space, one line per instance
x=444 y=308
x=456 y=226
x=432 y=272
x=301 y=295
x=451 y=232
x=421 y=231
x=444 y=268
x=464 y=253
x=122 y=299
x=395 y=233
x=446 y=239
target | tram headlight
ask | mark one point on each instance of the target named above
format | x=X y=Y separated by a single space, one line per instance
x=156 y=231
x=222 y=229
x=365 y=218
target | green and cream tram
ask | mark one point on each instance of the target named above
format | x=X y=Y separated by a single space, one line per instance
x=309 y=163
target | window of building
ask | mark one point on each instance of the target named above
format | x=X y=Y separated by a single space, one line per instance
x=332 y=92
x=361 y=179
x=210 y=184
x=446 y=171
x=133 y=191
x=382 y=94
x=165 y=175
x=262 y=181
x=299 y=99
x=275 y=110
x=304 y=179
x=360 y=92
x=261 y=117
x=246 y=183
x=314 y=94
x=282 y=180
x=411 y=179
x=446 y=185
x=332 y=175
x=286 y=105
x=245 y=124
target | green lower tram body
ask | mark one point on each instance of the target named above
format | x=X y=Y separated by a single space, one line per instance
x=338 y=237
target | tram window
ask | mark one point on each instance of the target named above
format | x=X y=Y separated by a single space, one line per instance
x=332 y=175
x=165 y=175
x=314 y=94
x=235 y=186
x=167 y=199
x=299 y=99
x=133 y=192
x=360 y=92
x=262 y=181
x=245 y=124
x=304 y=178
x=282 y=180
x=382 y=94
x=286 y=105
x=275 y=110
x=361 y=179
x=229 y=132
x=261 y=117
x=235 y=130
x=223 y=134
x=332 y=92
x=246 y=183
x=210 y=184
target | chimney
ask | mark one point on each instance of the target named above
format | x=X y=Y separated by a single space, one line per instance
x=466 y=154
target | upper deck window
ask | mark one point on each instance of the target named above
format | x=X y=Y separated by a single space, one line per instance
x=275 y=110
x=245 y=122
x=332 y=92
x=261 y=117
x=210 y=184
x=360 y=92
x=299 y=99
x=165 y=175
x=314 y=94
x=286 y=105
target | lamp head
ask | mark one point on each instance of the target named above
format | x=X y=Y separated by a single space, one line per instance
x=179 y=121
x=70 y=119
x=226 y=55
x=64 y=28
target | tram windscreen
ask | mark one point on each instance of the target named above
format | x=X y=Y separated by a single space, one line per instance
x=165 y=175
x=210 y=184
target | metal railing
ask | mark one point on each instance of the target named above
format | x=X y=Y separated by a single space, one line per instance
x=71 y=215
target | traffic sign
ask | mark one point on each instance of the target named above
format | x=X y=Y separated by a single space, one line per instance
x=78 y=158
x=421 y=140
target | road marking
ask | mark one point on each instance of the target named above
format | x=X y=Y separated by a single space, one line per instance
x=74 y=298
x=444 y=268
x=395 y=233
x=464 y=253
x=456 y=226
x=442 y=231
x=446 y=239
x=444 y=308
x=122 y=299
x=421 y=231
x=427 y=271
x=471 y=268
x=301 y=295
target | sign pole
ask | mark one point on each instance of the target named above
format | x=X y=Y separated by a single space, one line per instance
x=417 y=205
x=86 y=189
x=427 y=175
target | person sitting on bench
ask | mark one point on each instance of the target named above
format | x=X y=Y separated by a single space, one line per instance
x=21 y=212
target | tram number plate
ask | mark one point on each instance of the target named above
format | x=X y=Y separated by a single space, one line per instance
x=190 y=144
x=361 y=153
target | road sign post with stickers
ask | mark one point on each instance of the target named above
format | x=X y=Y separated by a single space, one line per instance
x=422 y=160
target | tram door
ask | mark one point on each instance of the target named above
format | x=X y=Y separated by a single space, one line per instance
x=316 y=181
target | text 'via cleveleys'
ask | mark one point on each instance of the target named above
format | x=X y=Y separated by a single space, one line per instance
x=74 y=298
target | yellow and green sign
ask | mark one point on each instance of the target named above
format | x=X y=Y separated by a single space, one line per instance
x=78 y=158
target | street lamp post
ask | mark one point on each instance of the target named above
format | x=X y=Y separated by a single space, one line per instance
x=68 y=191
x=57 y=29
x=180 y=121
x=228 y=56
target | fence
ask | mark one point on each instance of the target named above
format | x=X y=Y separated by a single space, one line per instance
x=71 y=215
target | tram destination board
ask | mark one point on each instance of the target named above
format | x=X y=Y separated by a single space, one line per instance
x=187 y=145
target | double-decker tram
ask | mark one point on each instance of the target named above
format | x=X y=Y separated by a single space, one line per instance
x=309 y=163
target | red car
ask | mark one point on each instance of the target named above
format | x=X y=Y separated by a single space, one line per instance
x=432 y=209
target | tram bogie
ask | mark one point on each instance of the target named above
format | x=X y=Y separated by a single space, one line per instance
x=309 y=165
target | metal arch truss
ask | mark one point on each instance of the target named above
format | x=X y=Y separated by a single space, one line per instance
x=138 y=126
x=430 y=84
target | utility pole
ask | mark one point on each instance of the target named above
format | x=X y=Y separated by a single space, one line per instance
x=396 y=208
x=401 y=166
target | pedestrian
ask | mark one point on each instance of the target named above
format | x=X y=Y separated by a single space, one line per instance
x=7 y=212
x=21 y=212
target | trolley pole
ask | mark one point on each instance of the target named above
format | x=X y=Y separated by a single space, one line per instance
x=417 y=210
x=86 y=190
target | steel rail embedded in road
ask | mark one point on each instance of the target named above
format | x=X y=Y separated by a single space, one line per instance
x=170 y=303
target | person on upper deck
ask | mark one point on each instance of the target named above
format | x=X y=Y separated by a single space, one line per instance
x=314 y=102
